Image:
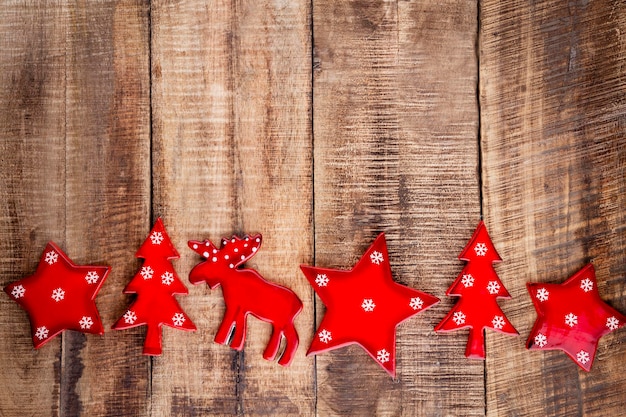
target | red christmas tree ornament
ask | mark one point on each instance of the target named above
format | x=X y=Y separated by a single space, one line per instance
x=246 y=292
x=478 y=286
x=364 y=306
x=572 y=317
x=60 y=296
x=155 y=284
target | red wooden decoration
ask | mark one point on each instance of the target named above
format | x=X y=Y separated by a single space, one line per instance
x=572 y=317
x=60 y=296
x=246 y=292
x=155 y=284
x=478 y=286
x=364 y=306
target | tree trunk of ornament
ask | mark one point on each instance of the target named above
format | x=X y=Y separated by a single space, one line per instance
x=152 y=344
x=475 y=348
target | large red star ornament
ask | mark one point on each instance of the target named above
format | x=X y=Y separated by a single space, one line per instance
x=572 y=317
x=364 y=306
x=59 y=296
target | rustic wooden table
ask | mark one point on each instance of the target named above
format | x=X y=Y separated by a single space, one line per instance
x=319 y=124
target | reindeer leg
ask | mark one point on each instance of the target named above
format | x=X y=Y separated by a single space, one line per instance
x=273 y=345
x=291 y=345
x=226 y=327
x=240 y=332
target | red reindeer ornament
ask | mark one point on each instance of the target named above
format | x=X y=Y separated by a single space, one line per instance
x=246 y=292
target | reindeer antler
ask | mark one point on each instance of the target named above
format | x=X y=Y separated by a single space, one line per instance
x=238 y=250
x=205 y=249
x=232 y=252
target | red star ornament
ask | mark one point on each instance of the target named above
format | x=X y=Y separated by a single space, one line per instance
x=59 y=296
x=572 y=317
x=364 y=306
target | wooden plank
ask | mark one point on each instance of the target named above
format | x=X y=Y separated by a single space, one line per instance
x=552 y=101
x=395 y=132
x=232 y=154
x=108 y=196
x=32 y=179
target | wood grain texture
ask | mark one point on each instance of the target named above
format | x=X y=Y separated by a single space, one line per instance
x=553 y=118
x=232 y=155
x=213 y=116
x=107 y=191
x=32 y=182
x=395 y=142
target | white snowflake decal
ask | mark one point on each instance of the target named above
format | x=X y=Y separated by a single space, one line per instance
x=167 y=278
x=382 y=355
x=321 y=280
x=586 y=285
x=130 y=317
x=612 y=323
x=325 y=336
x=92 y=277
x=51 y=257
x=480 y=249
x=493 y=287
x=498 y=322
x=146 y=272
x=542 y=294
x=376 y=257
x=571 y=319
x=459 y=318
x=416 y=303
x=86 y=322
x=41 y=333
x=541 y=340
x=156 y=238
x=18 y=291
x=467 y=280
x=582 y=356
x=368 y=305
x=178 y=319
x=58 y=294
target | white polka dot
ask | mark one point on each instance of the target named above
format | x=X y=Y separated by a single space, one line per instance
x=253 y=249
x=226 y=256
x=243 y=257
x=206 y=243
x=258 y=240
x=236 y=250
x=214 y=250
x=231 y=265
x=247 y=238
x=245 y=245
x=195 y=246
x=233 y=240
x=205 y=254
x=214 y=259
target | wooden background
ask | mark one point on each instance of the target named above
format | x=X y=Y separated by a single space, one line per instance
x=319 y=124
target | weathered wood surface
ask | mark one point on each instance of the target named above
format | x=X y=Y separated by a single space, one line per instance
x=553 y=91
x=395 y=128
x=318 y=124
x=107 y=193
x=232 y=152
x=32 y=185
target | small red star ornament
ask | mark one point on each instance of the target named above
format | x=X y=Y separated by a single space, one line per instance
x=59 y=296
x=572 y=317
x=364 y=306
x=155 y=284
